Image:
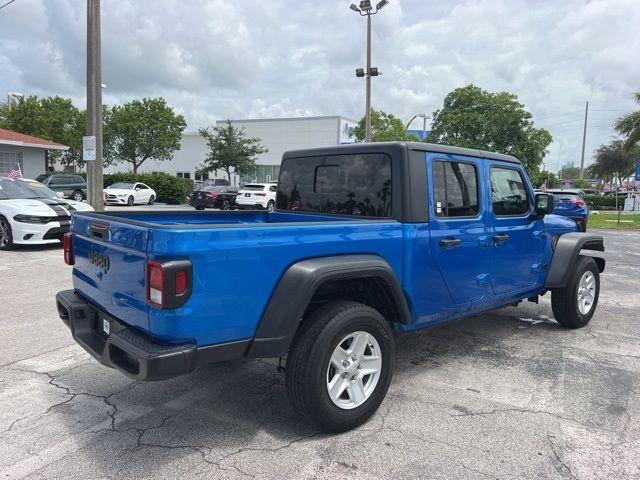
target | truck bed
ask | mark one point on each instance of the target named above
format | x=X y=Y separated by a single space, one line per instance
x=238 y=259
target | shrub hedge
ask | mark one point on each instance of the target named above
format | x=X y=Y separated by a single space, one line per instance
x=600 y=202
x=169 y=189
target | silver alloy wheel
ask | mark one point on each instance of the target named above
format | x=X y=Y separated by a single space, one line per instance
x=354 y=370
x=78 y=196
x=586 y=292
x=226 y=205
x=4 y=233
x=270 y=206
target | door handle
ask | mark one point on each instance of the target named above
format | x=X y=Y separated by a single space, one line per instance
x=450 y=242
x=498 y=239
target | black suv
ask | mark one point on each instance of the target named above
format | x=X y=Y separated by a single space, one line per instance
x=71 y=186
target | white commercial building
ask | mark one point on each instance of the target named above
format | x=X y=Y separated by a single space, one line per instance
x=276 y=134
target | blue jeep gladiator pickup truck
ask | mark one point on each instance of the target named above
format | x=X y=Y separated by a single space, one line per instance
x=366 y=240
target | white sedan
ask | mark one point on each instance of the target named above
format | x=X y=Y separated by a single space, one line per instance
x=129 y=193
x=31 y=214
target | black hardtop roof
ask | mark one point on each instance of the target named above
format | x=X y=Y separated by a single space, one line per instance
x=388 y=147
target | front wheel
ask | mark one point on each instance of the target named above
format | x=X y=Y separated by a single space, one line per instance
x=130 y=200
x=77 y=196
x=340 y=365
x=226 y=205
x=6 y=237
x=574 y=305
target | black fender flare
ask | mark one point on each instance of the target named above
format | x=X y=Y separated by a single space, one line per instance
x=566 y=252
x=296 y=288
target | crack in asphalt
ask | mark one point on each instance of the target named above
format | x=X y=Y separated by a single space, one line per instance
x=564 y=468
x=468 y=413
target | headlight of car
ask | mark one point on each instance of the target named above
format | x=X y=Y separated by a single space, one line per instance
x=32 y=219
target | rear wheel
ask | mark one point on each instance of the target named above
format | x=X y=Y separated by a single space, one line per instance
x=6 y=237
x=271 y=206
x=226 y=205
x=130 y=200
x=340 y=365
x=77 y=196
x=574 y=305
x=199 y=208
x=151 y=200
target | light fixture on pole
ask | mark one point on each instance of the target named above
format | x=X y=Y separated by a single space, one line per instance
x=366 y=10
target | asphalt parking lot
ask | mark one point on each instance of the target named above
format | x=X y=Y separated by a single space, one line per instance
x=507 y=394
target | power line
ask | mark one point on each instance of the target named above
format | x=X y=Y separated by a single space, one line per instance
x=10 y=1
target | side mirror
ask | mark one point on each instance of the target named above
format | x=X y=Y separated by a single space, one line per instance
x=137 y=189
x=544 y=204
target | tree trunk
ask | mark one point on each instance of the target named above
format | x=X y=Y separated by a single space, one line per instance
x=228 y=174
x=135 y=167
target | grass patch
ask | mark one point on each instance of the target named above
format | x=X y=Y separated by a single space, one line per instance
x=604 y=220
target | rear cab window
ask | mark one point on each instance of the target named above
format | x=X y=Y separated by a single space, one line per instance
x=356 y=184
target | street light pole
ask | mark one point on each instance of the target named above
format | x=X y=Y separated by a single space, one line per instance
x=367 y=137
x=94 y=104
x=366 y=10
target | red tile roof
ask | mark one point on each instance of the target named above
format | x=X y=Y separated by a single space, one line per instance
x=7 y=137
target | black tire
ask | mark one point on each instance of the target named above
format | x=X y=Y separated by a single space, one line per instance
x=151 y=200
x=308 y=364
x=6 y=236
x=225 y=205
x=564 y=301
x=271 y=206
x=130 y=201
x=78 y=196
x=199 y=208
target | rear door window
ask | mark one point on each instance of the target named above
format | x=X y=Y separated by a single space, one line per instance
x=455 y=186
x=358 y=184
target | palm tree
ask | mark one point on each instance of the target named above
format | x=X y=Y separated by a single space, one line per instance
x=629 y=126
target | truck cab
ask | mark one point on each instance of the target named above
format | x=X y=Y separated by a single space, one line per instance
x=363 y=240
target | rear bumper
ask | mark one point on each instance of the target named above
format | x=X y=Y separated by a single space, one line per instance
x=130 y=351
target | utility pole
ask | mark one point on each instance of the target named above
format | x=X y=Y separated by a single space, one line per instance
x=584 y=140
x=94 y=104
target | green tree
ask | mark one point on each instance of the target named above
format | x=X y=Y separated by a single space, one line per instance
x=474 y=118
x=544 y=177
x=580 y=183
x=230 y=149
x=614 y=161
x=51 y=118
x=385 y=127
x=140 y=130
x=629 y=126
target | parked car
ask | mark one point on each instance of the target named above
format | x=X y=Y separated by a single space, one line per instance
x=591 y=191
x=426 y=234
x=571 y=203
x=68 y=186
x=129 y=193
x=257 y=196
x=32 y=214
x=223 y=198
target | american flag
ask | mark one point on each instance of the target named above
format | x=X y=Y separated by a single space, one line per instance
x=15 y=173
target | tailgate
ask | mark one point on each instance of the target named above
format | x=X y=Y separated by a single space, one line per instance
x=110 y=267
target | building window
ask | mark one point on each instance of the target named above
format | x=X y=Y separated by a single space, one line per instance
x=186 y=175
x=264 y=174
x=8 y=160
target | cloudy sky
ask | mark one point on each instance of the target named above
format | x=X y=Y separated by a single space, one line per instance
x=217 y=59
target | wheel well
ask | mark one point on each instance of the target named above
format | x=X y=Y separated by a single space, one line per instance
x=371 y=291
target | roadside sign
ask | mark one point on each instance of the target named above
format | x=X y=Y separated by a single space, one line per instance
x=89 y=148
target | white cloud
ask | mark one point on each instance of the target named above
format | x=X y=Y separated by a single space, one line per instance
x=218 y=59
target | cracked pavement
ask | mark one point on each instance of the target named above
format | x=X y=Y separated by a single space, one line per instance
x=508 y=394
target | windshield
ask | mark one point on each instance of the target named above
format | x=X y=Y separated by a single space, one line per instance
x=122 y=185
x=253 y=187
x=24 y=189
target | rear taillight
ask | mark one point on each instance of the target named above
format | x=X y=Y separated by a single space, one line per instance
x=67 y=247
x=260 y=194
x=155 y=284
x=212 y=195
x=580 y=203
x=168 y=283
